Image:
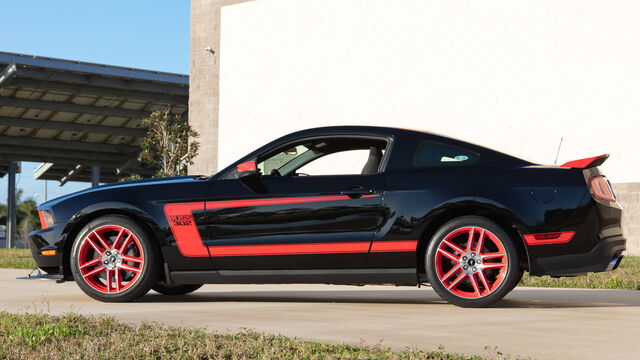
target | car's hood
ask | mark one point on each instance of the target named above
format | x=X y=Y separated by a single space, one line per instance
x=131 y=183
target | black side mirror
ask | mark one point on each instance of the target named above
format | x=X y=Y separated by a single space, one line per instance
x=249 y=176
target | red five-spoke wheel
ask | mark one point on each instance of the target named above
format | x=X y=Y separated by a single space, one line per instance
x=111 y=258
x=471 y=261
x=114 y=259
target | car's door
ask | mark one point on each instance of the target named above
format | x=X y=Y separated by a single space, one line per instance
x=293 y=220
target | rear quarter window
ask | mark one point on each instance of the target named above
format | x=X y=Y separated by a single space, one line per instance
x=432 y=153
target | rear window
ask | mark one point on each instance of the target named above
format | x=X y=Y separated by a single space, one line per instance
x=431 y=153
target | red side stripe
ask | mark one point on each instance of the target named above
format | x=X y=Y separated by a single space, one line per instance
x=312 y=248
x=394 y=246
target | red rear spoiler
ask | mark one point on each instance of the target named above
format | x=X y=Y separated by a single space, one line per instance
x=586 y=163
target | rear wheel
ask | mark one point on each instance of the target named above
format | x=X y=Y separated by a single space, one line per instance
x=113 y=259
x=472 y=262
x=166 y=289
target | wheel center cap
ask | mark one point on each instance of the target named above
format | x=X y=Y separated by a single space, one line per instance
x=471 y=262
x=111 y=259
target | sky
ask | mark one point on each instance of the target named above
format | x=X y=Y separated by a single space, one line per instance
x=145 y=34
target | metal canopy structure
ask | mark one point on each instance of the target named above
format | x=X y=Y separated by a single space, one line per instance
x=82 y=121
x=4 y=168
x=73 y=115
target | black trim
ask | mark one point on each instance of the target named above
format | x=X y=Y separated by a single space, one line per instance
x=167 y=275
x=325 y=276
x=604 y=257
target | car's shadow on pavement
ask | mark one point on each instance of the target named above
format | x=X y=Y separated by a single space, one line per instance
x=529 y=298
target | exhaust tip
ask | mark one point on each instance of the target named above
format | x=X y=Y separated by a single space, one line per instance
x=615 y=262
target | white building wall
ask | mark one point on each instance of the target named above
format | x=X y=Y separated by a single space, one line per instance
x=513 y=75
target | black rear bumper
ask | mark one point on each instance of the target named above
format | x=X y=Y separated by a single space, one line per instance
x=605 y=256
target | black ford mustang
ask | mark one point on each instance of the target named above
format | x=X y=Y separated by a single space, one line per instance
x=340 y=205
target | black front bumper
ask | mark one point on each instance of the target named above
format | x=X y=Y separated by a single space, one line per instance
x=605 y=256
x=47 y=239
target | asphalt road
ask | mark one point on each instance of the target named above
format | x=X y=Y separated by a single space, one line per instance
x=530 y=322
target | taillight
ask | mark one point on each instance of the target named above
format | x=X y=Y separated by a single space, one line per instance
x=601 y=189
x=46 y=219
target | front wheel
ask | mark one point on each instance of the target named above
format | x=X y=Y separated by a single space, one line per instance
x=113 y=259
x=472 y=262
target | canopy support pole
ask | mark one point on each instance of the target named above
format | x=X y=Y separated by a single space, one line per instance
x=95 y=176
x=11 y=205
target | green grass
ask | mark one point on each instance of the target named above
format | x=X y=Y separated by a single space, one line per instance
x=627 y=276
x=42 y=336
x=16 y=259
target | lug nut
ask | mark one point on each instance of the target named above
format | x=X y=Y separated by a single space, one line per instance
x=473 y=254
x=108 y=253
x=464 y=258
x=106 y=262
x=479 y=261
x=465 y=267
x=475 y=268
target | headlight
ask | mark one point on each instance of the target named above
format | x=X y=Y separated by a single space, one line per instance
x=46 y=219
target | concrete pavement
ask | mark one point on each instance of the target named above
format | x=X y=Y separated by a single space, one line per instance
x=530 y=322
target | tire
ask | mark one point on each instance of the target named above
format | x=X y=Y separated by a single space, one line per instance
x=132 y=266
x=464 y=276
x=166 y=289
x=519 y=278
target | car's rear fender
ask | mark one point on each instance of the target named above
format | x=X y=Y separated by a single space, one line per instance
x=468 y=207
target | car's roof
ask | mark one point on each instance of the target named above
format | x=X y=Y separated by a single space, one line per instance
x=352 y=129
x=381 y=131
x=397 y=132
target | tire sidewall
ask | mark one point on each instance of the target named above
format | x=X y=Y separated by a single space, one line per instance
x=511 y=277
x=149 y=274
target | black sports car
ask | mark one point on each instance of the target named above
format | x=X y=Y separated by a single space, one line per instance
x=340 y=205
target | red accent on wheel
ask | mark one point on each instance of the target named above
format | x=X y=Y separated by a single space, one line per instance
x=111 y=259
x=471 y=262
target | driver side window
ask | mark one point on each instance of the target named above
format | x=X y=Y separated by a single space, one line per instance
x=322 y=157
x=272 y=164
x=348 y=162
